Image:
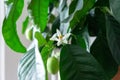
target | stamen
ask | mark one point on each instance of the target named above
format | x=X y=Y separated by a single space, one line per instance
x=60 y=37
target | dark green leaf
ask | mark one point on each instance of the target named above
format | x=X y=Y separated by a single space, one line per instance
x=100 y=50
x=88 y=4
x=56 y=24
x=25 y=25
x=39 y=12
x=115 y=7
x=77 y=64
x=113 y=37
x=31 y=66
x=96 y=22
x=51 y=18
x=75 y=5
x=9 y=27
x=79 y=40
x=102 y=3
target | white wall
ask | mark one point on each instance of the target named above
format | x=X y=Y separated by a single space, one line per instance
x=2 y=65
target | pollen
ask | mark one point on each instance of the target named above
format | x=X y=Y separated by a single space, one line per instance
x=60 y=37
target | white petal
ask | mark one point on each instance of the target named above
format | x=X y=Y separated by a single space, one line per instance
x=66 y=36
x=58 y=33
x=65 y=41
x=59 y=43
x=54 y=37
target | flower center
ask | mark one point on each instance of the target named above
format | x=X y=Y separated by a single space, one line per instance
x=60 y=37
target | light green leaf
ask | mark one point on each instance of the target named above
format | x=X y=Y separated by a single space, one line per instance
x=41 y=40
x=113 y=37
x=39 y=12
x=31 y=66
x=77 y=64
x=9 y=27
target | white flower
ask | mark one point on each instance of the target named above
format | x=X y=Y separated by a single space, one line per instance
x=61 y=39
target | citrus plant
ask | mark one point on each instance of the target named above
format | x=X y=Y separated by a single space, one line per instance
x=60 y=32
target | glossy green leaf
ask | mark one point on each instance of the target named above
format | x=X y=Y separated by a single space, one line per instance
x=31 y=66
x=25 y=25
x=100 y=50
x=77 y=64
x=113 y=37
x=9 y=27
x=115 y=7
x=39 y=12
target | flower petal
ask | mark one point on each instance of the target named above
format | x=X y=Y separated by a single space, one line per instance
x=58 y=33
x=54 y=37
x=65 y=41
x=66 y=36
x=59 y=43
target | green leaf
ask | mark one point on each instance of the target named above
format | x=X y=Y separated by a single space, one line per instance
x=7 y=2
x=45 y=53
x=78 y=64
x=51 y=18
x=113 y=37
x=102 y=3
x=100 y=50
x=78 y=15
x=96 y=23
x=40 y=38
x=25 y=25
x=31 y=66
x=39 y=12
x=56 y=24
x=9 y=27
x=75 y=5
x=79 y=40
x=80 y=37
x=115 y=7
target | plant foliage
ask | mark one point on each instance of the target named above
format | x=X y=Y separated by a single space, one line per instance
x=71 y=24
